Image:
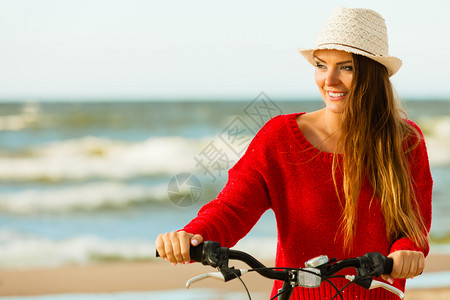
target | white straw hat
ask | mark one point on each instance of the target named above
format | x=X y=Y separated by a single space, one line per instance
x=359 y=31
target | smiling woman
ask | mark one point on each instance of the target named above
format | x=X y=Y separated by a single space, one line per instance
x=334 y=76
x=363 y=121
x=343 y=180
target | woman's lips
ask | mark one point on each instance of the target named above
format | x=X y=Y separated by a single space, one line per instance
x=336 y=95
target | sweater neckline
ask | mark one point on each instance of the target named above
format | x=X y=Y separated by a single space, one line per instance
x=303 y=142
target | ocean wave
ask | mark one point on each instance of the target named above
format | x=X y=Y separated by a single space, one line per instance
x=29 y=116
x=87 y=197
x=437 y=136
x=20 y=251
x=94 y=157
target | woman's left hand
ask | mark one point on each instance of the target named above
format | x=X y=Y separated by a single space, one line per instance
x=407 y=264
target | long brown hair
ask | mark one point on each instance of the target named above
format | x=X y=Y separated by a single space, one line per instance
x=376 y=143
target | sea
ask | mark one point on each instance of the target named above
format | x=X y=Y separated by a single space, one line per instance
x=84 y=182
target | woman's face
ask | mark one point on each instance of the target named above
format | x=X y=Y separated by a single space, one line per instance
x=334 y=75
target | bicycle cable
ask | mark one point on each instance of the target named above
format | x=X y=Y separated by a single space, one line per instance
x=278 y=294
x=342 y=289
x=338 y=292
x=245 y=286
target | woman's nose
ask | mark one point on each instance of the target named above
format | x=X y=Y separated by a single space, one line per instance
x=332 y=77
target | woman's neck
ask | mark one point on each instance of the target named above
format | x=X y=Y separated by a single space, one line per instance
x=330 y=122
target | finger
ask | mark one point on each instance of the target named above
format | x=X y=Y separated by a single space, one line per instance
x=414 y=266
x=397 y=266
x=184 y=239
x=421 y=265
x=159 y=244
x=411 y=264
x=406 y=265
x=168 y=248
x=176 y=247
x=196 y=239
x=388 y=278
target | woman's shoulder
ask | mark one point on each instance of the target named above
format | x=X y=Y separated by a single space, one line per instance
x=415 y=126
x=277 y=129
x=279 y=123
x=414 y=134
x=415 y=141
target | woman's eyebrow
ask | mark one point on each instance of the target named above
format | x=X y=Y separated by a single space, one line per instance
x=339 y=63
x=344 y=62
x=316 y=57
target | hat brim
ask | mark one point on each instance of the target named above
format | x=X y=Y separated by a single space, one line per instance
x=392 y=63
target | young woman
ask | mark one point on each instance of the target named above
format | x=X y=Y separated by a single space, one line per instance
x=348 y=179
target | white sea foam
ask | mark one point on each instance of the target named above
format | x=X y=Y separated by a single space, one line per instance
x=437 y=137
x=29 y=116
x=87 y=197
x=21 y=251
x=93 y=157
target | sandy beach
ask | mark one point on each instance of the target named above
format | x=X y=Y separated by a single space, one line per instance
x=154 y=276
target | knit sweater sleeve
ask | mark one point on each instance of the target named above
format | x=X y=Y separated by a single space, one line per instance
x=242 y=201
x=423 y=184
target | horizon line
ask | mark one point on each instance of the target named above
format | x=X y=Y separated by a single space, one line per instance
x=185 y=99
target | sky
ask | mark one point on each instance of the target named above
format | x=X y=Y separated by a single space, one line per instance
x=199 y=49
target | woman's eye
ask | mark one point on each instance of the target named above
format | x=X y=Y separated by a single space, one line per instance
x=320 y=65
x=347 y=68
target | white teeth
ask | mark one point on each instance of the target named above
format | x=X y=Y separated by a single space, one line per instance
x=336 y=94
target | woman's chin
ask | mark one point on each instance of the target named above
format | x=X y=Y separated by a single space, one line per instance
x=337 y=108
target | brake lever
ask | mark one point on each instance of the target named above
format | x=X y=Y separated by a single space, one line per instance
x=224 y=275
x=390 y=288
x=216 y=275
x=378 y=284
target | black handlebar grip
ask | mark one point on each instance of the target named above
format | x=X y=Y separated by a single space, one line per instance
x=195 y=253
x=388 y=264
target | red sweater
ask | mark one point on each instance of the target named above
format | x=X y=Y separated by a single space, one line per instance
x=282 y=171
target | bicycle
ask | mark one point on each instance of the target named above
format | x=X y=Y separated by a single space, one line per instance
x=316 y=271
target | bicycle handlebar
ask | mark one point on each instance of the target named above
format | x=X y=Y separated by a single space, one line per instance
x=211 y=253
x=317 y=270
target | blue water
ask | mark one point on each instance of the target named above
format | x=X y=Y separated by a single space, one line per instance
x=85 y=182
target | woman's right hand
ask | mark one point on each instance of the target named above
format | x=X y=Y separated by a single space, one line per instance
x=174 y=246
